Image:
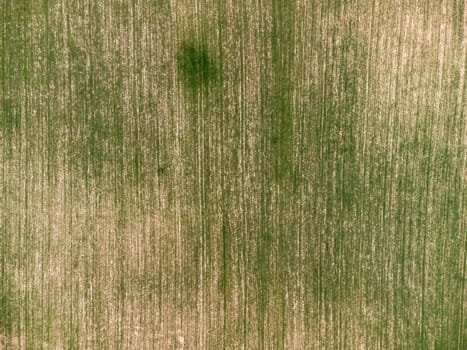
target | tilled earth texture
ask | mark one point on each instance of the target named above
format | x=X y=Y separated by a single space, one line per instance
x=198 y=174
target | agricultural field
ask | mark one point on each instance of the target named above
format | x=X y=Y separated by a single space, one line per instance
x=199 y=174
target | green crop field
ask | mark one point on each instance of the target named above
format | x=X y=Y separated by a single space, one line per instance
x=239 y=174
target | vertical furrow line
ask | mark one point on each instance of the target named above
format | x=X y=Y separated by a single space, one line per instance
x=224 y=182
x=461 y=98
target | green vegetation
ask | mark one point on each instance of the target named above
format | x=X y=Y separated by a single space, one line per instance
x=195 y=66
x=228 y=175
x=9 y=307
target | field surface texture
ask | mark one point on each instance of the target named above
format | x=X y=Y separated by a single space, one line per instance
x=238 y=174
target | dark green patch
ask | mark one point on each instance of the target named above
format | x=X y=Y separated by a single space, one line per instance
x=195 y=67
x=11 y=117
x=8 y=309
x=160 y=170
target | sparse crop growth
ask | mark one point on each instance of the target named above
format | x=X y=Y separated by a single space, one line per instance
x=204 y=174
